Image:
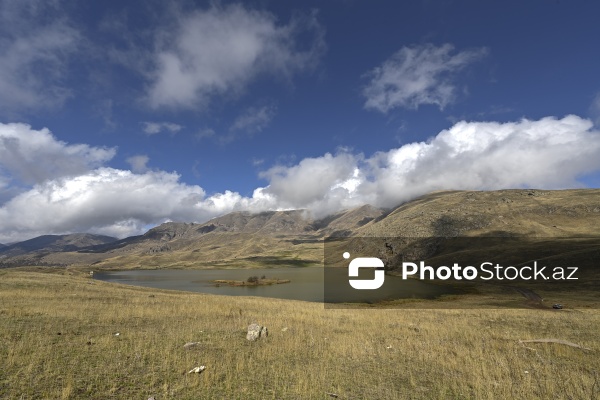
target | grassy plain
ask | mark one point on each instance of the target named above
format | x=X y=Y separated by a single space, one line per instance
x=58 y=340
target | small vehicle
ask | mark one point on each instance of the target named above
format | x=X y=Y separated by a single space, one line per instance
x=557 y=306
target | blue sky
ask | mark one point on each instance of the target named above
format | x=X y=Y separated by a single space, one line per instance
x=117 y=116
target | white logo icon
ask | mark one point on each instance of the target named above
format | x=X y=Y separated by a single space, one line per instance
x=365 y=262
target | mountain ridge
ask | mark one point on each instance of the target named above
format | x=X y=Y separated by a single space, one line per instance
x=274 y=238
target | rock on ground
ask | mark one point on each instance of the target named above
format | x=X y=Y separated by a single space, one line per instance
x=191 y=345
x=255 y=331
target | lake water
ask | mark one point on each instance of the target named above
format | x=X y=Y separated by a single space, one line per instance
x=306 y=284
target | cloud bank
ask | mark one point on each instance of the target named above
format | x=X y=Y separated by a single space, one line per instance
x=549 y=153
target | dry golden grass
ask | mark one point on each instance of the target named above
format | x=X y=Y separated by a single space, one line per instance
x=57 y=341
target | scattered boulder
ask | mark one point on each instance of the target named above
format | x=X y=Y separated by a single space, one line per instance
x=255 y=331
x=197 y=370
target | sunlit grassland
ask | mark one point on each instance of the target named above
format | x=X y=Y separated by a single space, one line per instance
x=58 y=341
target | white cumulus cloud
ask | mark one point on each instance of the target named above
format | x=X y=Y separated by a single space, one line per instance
x=421 y=74
x=218 y=51
x=33 y=156
x=310 y=182
x=549 y=153
x=103 y=199
x=116 y=202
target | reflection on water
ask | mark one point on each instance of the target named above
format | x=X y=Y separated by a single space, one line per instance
x=306 y=283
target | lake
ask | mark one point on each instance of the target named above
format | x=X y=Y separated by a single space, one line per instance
x=306 y=284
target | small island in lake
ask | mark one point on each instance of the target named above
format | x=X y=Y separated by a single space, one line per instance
x=251 y=281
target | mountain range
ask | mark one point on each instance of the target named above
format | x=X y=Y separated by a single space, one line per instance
x=293 y=238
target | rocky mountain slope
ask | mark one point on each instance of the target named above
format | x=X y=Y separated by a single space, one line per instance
x=293 y=238
x=518 y=212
